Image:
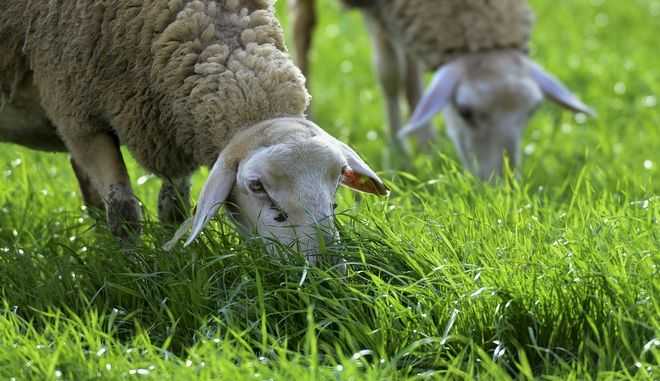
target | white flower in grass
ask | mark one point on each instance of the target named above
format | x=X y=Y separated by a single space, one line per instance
x=580 y=118
x=650 y=101
x=620 y=88
x=529 y=149
x=332 y=30
x=346 y=67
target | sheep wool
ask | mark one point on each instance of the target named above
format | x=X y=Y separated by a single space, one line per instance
x=437 y=31
x=175 y=80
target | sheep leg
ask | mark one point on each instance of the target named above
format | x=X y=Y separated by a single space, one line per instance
x=99 y=157
x=414 y=84
x=91 y=197
x=174 y=201
x=304 y=21
x=386 y=60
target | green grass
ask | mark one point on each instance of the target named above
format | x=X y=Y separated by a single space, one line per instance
x=551 y=276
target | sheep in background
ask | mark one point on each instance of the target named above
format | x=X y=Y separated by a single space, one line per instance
x=181 y=84
x=486 y=85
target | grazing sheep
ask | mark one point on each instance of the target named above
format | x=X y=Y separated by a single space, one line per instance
x=485 y=83
x=181 y=84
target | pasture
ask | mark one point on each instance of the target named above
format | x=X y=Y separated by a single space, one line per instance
x=554 y=274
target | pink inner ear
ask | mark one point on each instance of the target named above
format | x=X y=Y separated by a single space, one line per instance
x=360 y=182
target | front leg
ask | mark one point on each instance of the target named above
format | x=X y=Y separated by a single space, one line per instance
x=98 y=158
x=174 y=201
x=303 y=19
x=91 y=197
x=388 y=68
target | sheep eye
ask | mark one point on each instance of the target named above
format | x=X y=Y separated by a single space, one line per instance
x=334 y=206
x=256 y=186
x=467 y=113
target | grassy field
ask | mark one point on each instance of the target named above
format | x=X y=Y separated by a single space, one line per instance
x=552 y=276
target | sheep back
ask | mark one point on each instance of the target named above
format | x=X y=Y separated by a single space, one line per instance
x=437 y=31
x=173 y=79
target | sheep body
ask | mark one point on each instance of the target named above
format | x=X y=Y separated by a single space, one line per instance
x=181 y=83
x=173 y=80
x=438 y=31
x=484 y=83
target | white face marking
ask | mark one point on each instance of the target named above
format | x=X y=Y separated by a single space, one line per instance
x=287 y=193
x=487 y=99
x=279 y=180
x=487 y=116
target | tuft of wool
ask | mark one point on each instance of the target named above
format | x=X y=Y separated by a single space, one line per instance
x=175 y=80
x=437 y=31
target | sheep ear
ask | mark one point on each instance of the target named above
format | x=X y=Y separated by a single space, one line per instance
x=554 y=90
x=436 y=98
x=215 y=191
x=359 y=176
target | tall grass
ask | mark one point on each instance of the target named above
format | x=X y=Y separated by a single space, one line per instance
x=552 y=275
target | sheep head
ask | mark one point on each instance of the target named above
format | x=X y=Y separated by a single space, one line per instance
x=487 y=99
x=279 y=180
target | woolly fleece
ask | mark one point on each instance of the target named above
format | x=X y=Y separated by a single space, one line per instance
x=173 y=79
x=437 y=31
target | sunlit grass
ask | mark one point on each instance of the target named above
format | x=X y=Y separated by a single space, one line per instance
x=553 y=275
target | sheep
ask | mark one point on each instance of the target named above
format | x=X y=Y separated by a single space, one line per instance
x=181 y=84
x=484 y=81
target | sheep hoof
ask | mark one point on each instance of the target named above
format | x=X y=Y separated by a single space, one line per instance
x=123 y=213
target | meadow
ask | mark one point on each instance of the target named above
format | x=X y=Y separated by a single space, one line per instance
x=551 y=275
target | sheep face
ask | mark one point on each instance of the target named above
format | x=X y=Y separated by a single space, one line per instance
x=282 y=187
x=487 y=100
x=487 y=114
x=287 y=193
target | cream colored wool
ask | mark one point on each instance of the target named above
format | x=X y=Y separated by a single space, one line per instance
x=173 y=79
x=437 y=31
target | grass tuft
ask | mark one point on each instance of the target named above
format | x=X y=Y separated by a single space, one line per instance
x=550 y=275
